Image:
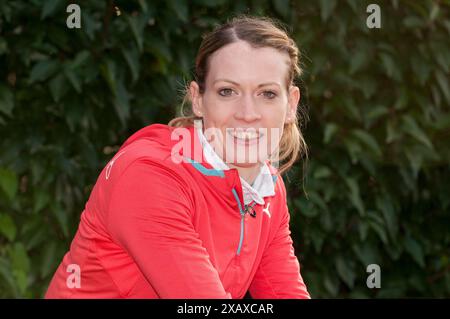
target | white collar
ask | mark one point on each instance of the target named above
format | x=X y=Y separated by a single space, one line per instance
x=262 y=186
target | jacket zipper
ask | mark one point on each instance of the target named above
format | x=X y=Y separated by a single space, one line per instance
x=241 y=211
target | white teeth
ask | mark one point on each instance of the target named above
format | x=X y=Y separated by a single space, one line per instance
x=245 y=135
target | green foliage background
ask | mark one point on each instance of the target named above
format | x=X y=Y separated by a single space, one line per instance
x=377 y=181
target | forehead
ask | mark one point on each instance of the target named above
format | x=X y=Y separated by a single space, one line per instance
x=242 y=63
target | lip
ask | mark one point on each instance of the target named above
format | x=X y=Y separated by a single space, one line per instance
x=245 y=142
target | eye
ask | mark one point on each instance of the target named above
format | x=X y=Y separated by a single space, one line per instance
x=225 y=92
x=269 y=94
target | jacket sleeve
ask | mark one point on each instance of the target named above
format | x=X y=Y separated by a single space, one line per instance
x=150 y=217
x=278 y=275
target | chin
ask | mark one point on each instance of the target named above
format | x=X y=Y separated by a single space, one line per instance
x=245 y=165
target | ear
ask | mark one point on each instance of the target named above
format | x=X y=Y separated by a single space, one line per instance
x=196 y=98
x=293 y=99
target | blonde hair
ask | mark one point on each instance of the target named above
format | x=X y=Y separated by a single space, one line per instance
x=258 y=32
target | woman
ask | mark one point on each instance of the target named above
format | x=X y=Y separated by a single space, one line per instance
x=181 y=211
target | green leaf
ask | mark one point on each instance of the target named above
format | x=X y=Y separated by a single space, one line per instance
x=132 y=57
x=358 y=60
x=363 y=230
x=368 y=86
x=61 y=217
x=73 y=79
x=420 y=67
x=48 y=259
x=211 y=3
x=6 y=100
x=121 y=102
x=305 y=207
x=90 y=25
x=442 y=80
x=7 y=276
x=58 y=87
x=353 y=148
x=390 y=66
x=392 y=133
x=50 y=6
x=80 y=59
x=380 y=231
x=369 y=140
x=344 y=271
x=331 y=284
x=19 y=258
x=349 y=106
x=354 y=195
x=42 y=70
x=108 y=71
x=41 y=199
x=3 y=47
x=317 y=199
x=411 y=127
x=9 y=182
x=330 y=131
x=386 y=206
x=402 y=99
x=413 y=22
x=7 y=227
x=326 y=8
x=322 y=172
x=181 y=9
x=434 y=12
x=415 y=159
x=21 y=280
x=366 y=252
x=318 y=239
x=282 y=7
x=415 y=250
x=137 y=28
x=376 y=112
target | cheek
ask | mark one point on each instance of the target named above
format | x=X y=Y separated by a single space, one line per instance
x=216 y=113
x=274 y=116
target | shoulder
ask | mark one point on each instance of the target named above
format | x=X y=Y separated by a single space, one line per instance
x=145 y=162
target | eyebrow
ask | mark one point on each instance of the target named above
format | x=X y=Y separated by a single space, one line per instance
x=237 y=84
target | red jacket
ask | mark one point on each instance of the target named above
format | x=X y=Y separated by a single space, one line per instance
x=153 y=228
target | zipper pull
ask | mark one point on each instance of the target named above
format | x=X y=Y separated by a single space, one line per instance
x=249 y=209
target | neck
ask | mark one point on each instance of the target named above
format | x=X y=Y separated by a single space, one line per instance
x=249 y=174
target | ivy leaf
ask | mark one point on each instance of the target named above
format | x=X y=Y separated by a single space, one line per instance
x=411 y=127
x=6 y=100
x=131 y=55
x=58 y=87
x=354 y=195
x=282 y=7
x=42 y=70
x=49 y=7
x=443 y=84
x=7 y=227
x=9 y=183
x=330 y=131
x=415 y=250
x=346 y=273
x=369 y=140
x=181 y=9
x=326 y=8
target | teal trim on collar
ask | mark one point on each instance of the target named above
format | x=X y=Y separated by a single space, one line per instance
x=274 y=178
x=206 y=171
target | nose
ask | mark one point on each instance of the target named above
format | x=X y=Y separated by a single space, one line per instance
x=248 y=110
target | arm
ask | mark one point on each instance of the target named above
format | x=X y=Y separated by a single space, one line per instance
x=150 y=217
x=278 y=275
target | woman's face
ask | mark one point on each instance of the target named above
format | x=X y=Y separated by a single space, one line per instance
x=245 y=103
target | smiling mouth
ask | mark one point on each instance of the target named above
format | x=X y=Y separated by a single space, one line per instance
x=245 y=137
